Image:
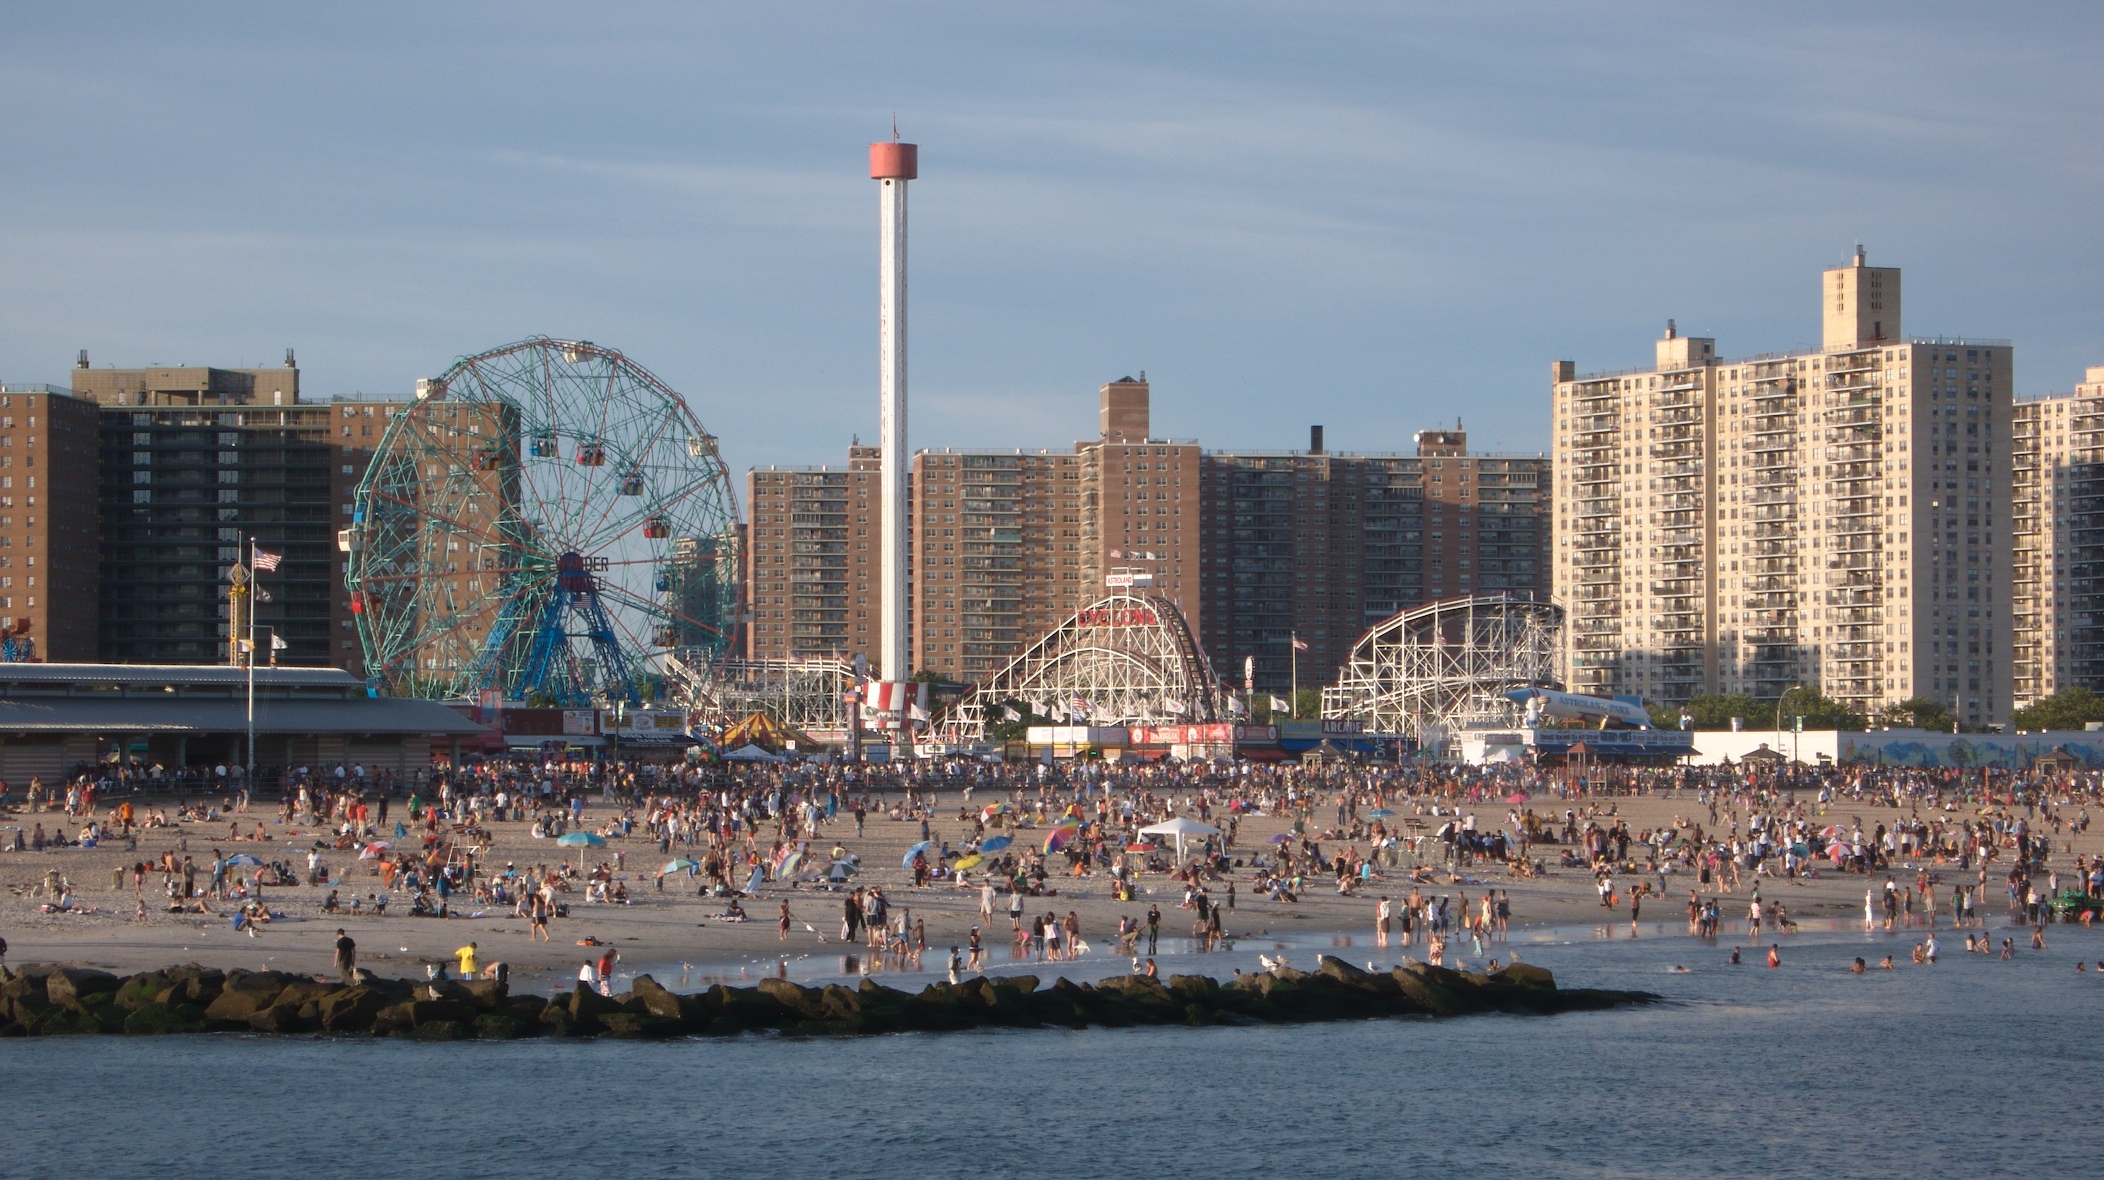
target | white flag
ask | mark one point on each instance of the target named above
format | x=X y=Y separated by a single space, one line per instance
x=1009 y=714
x=1279 y=706
x=277 y=642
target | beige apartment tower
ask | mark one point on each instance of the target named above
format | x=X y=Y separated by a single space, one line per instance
x=2058 y=541
x=1837 y=519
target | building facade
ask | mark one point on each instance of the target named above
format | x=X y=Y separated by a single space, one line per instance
x=1322 y=546
x=997 y=552
x=2057 y=541
x=48 y=526
x=192 y=462
x=810 y=570
x=1837 y=519
x=1139 y=503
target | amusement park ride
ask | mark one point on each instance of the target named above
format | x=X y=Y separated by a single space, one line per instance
x=547 y=521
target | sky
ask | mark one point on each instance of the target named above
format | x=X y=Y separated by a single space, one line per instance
x=1378 y=217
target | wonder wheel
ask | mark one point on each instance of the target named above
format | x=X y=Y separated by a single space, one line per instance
x=547 y=521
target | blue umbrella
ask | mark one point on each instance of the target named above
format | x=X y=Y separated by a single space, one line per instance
x=916 y=850
x=243 y=858
x=997 y=844
x=576 y=839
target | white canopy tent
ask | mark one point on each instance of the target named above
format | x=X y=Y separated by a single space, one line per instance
x=751 y=753
x=1180 y=827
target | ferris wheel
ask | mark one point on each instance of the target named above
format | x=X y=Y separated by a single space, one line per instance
x=548 y=521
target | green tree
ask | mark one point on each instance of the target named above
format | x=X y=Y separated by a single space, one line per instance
x=2070 y=708
x=1715 y=711
x=1917 y=713
x=1818 y=710
x=1000 y=729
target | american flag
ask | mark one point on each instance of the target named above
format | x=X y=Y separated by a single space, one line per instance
x=268 y=562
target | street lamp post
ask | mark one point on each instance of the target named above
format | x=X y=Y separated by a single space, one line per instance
x=1779 y=702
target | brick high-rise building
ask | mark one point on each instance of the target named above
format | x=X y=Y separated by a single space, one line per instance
x=193 y=460
x=1139 y=503
x=811 y=571
x=48 y=528
x=1324 y=545
x=997 y=539
x=1836 y=518
x=2057 y=538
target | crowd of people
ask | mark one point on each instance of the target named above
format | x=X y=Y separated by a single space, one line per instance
x=1421 y=837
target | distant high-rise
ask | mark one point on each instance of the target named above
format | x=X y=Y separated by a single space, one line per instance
x=193 y=461
x=810 y=562
x=2057 y=535
x=1836 y=519
x=1322 y=545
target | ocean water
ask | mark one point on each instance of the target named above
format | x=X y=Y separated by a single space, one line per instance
x=1973 y=1067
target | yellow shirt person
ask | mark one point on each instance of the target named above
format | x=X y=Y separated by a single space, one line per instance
x=466 y=955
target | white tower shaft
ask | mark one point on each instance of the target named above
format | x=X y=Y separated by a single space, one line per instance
x=892 y=165
x=892 y=428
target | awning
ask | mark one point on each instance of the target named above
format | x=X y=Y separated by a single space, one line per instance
x=181 y=715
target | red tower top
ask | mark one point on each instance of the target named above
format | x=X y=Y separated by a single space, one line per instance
x=894 y=161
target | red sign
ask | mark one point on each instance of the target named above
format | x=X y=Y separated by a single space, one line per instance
x=1182 y=735
x=1122 y=616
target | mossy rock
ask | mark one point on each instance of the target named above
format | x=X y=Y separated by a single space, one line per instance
x=157 y=1020
x=140 y=990
x=440 y=1030
x=1527 y=975
x=499 y=1026
x=723 y=1026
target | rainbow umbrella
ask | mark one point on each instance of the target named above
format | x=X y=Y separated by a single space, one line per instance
x=969 y=863
x=1060 y=835
x=997 y=844
x=789 y=865
x=994 y=809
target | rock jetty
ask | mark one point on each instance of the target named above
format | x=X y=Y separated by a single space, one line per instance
x=45 y=1000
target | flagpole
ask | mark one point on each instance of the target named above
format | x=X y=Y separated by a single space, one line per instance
x=249 y=780
x=1293 y=646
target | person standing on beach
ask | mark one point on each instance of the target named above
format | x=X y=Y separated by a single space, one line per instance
x=1381 y=918
x=1154 y=927
x=782 y=933
x=346 y=956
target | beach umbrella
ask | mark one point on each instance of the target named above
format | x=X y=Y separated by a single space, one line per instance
x=997 y=844
x=579 y=840
x=1139 y=846
x=1281 y=838
x=906 y=861
x=1833 y=832
x=789 y=865
x=969 y=863
x=994 y=809
x=844 y=868
x=372 y=851
x=680 y=866
x=1380 y=813
x=243 y=859
x=1060 y=834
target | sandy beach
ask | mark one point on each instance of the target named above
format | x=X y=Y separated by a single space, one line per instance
x=675 y=926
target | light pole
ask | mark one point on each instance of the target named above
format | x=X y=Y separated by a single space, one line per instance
x=1779 y=701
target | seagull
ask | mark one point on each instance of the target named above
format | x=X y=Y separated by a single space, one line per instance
x=1272 y=965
